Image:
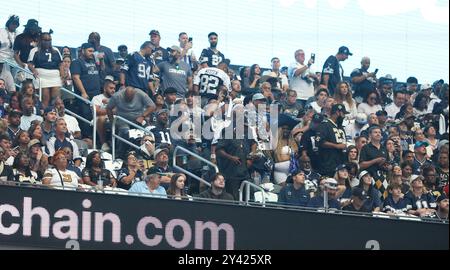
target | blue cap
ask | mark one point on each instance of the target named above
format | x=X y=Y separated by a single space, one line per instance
x=420 y=144
x=49 y=109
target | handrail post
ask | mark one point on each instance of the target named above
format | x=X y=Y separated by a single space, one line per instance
x=248 y=184
x=94 y=127
x=247 y=190
x=40 y=90
x=113 y=132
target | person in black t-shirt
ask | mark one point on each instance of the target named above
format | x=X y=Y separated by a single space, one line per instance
x=309 y=143
x=363 y=80
x=212 y=55
x=332 y=72
x=159 y=54
x=25 y=42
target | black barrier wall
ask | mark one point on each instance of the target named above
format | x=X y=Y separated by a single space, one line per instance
x=44 y=218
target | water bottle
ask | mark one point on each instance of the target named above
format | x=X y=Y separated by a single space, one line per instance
x=256 y=178
x=100 y=183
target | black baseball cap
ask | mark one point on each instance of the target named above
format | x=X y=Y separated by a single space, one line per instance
x=381 y=112
x=341 y=167
x=360 y=193
x=154 y=32
x=317 y=118
x=170 y=90
x=338 y=108
x=14 y=113
x=122 y=47
x=344 y=50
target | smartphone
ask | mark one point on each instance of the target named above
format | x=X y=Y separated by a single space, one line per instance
x=190 y=39
x=313 y=57
x=376 y=70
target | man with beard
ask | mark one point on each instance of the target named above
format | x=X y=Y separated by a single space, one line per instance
x=211 y=56
x=28 y=116
x=14 y=124
x=103 y=53
x=161 y=130
x=332 y=142
x=100 y=102
x=332 y=71
x=25 y=42
x=175 y=73
x=309 y=143
x=48 y=126
x=363 y=80
x=137 y=69
x=159 y=53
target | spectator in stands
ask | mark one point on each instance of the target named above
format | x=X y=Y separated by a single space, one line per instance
x=27 y=90
x=332 y=71
x=161 y=130
x=48 y=125
x=301 y=77
x=310 y=173
x=420 y=157
x=353 y=154
x=177 y=189
x=130 y=172
x=7 y=81
x=45 y=62
x=147 y=147
x=66 y=51
x=159 y=53
x=396 y=176
x=102 y=53
x=123 y=51
x=95 y=171
x=38 y=160
x=321 y=96
x=442 y=210
x=282 y=82
x=355 y=128
x=60 y=140
x=35 y=132
x=5 y=143
x=187 y=53
x=442 y=168
x=332 y=141
x=285 y=148
x=360 y=141
x=14 y=123
x=363 y=81
x=14 y=102
x=290 y=106
x=371 y=103
x=7 y=37
x=59 y=175
x=328 y=104
x=150 y=185
x=330 y=186
x=86 y=79
x=430 y=181
x=420 y=104
x=21 y=141
x=175 y=73
x=26 y=41
x=393 y=108
x=212 y=56
x=6 y=173
x=161 y=167
x=421 y=201
x=394 y=155
x=357 y=201
x=207 y=90
x=255 y=76
x=21 y=169
x=430 y=134
x=373 y=203
x=343 y=95
x=412 y=85
x=295 y=193
x=131 y=104
x=101 y=101
x=28 y=115
x=395 y=203
x=217 y=189
x=342 y=177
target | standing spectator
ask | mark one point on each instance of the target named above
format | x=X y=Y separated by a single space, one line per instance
x=161 y=130
x=123 y=51
x=332 y=71
x=212 y=55
x=95 y=171
x=285 y=148
x=176 y=189
x=86 y=79
x=373 y=203
x=329 y=186
x=59 y=141
x=355 y=128
x=419 y=199
x=295 y=193
x=176 y=74
x=393 y=108
x=301 y=77
x=363 y=80
x=282 y=82
x=7 y=37
x=28 y=115
x=159 y=53
x=102 y=53
x=412 y=85
x=332 y=142
x=26 y=41
x=130 y=172
x=137 y=69
x=150 y=185
x=371 y=103
x=217 y=189
x=67 y=79
x=343 y=95
x=59 y=175
x=309 y=142
x=208 y=81
x=254 y=78
x=187 y=53
x=321 y=96
x=45 y=62
x=420 y=104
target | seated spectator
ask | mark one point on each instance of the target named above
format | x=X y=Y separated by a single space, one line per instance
x=217 y=189
x=420 y=201
x=344 y=191
x=147 y=146
x=14 y=123
x=10 y=153
x=21 y=141
x=395 y=177
x=60 y=140
x=161 y=167
x=442 y=210
x=27 y=90
x=130 y=172
x=59 y=175
x=71 y=162
x=357 y=201
x=330 y=186
x=420 y=157
x=321 y=96
x=21 y=170
x=295 y=193
x=353 y=154
x=290 y=106
x=6 y=172
x=150 y=185
x=395 y=202
x=373 y=203
x=371 y=103
x=177 y=189
x=38 y=160
x=101 y=101
x=420 y=104
x=48 y=126
x=28 y=116
x=35 y=132
x=95 y=171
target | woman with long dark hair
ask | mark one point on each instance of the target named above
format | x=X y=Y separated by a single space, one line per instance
x=176 y=188
x=21 y=169
x=95 y=171
x=255 y=75
x=373 y=203
x=343 y=95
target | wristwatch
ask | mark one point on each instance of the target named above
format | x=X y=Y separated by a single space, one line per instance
x=213 y=156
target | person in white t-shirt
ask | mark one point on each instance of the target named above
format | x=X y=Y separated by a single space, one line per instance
x=60 y=176
x=302 y=77
x=394 y=108
x=371 y=103
x=100 y=101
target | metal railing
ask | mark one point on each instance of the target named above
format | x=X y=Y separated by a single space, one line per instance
x=92 y=123
x=175 y=166
x=247 y=186
x=115 y=136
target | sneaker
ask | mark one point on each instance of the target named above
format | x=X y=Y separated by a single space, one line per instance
x=105 y=147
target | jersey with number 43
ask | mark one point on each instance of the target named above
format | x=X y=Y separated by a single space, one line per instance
x=210 y=79
x=138 y=70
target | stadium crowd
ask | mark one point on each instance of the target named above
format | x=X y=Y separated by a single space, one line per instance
x=369 y=143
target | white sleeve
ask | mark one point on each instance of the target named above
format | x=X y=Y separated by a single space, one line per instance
x=197 y=78
x=59 y=54
x=76 y=152
x=32 y=53
x=51 y=146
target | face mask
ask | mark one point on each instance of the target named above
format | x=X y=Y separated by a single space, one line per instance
x=46 y=44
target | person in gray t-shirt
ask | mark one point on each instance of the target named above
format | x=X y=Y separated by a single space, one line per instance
x=131 y=104
x=175 y=73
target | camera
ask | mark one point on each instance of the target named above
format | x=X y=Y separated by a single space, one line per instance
x=190 y=39
x=376 y=70
x=313 y=57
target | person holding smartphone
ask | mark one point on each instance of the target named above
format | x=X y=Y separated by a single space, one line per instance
x=187 y=53
x=363 y=80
